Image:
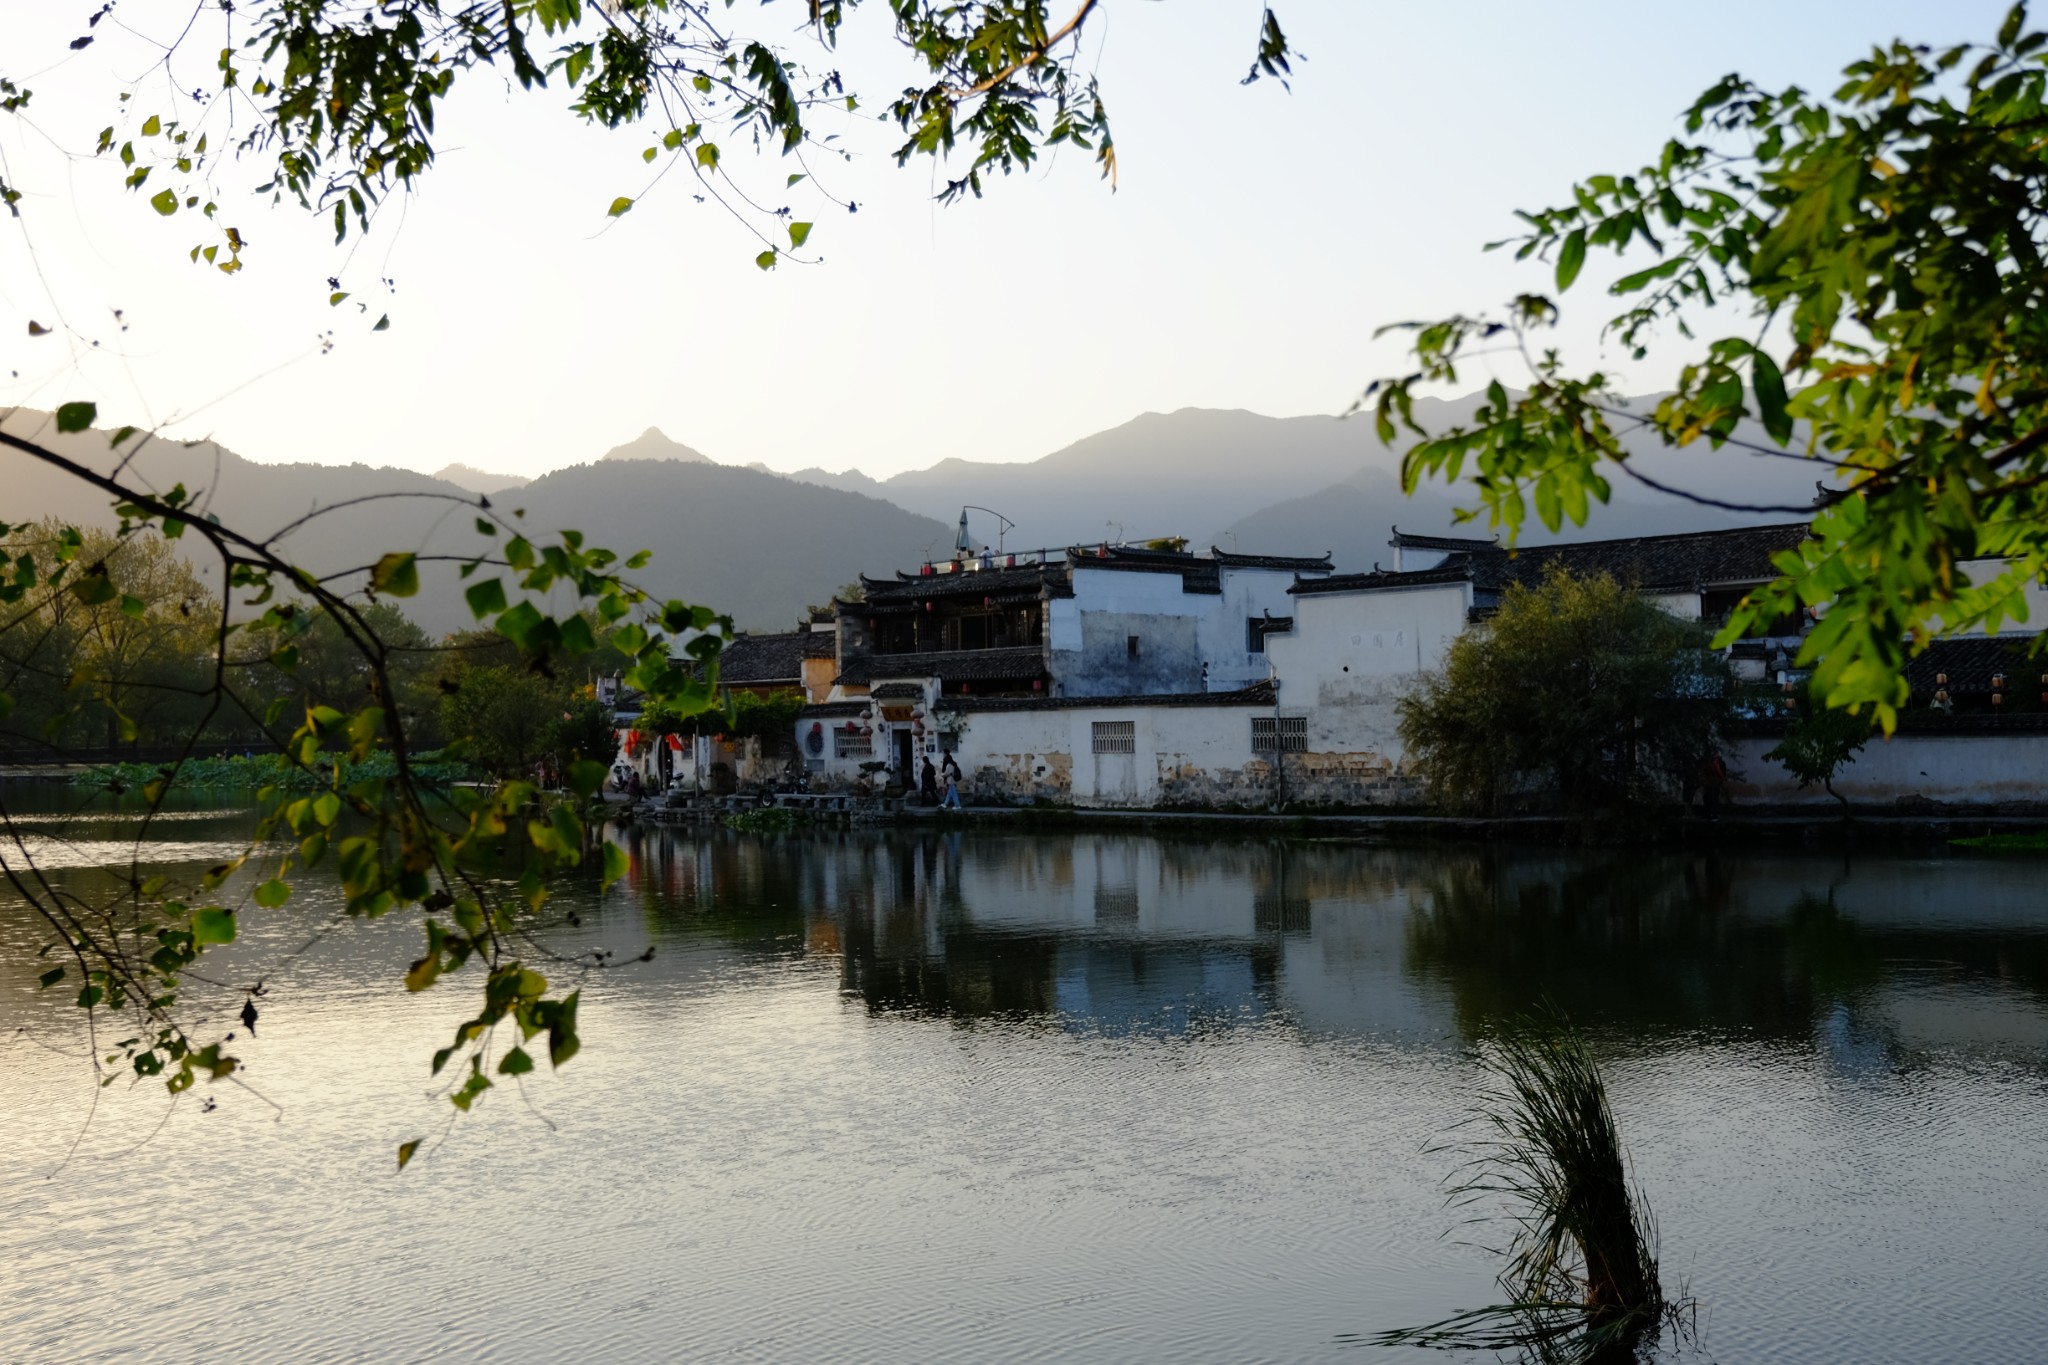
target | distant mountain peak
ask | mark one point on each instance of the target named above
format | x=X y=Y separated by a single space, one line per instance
x=654 y=444
x=480 y=480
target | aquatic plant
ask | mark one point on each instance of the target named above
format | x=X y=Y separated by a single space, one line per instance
x=767 y=820
x=1581 y=1276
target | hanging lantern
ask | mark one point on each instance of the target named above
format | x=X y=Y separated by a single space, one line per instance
x=1038 y=684
x=988 y=601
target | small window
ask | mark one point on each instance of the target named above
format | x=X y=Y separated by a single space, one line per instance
x=1114 y=736
x=1131 y=646
x=1257 y=628
x=1293 y=732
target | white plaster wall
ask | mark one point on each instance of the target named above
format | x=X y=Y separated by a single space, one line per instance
x=1352 y=656
x=1684 y=605
x=2036 y=596
x=1958 y=769
x=1181 y=754
x=1246 y=593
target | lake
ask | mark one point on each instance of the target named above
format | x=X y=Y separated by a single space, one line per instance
x=975 y=1096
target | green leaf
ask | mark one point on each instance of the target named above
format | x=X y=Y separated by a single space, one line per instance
x=1769 y=383
x=213 y=925
x=397 y=574
x=791 y=182
x=133 y=606
x=799 y=233
x=383 y=324
x=586 y=775
x=766 y=260
x=1570 y=257
x=619 y=206
x=76 y=416
x=273 y=893
x=326 y=807
x=406 y=1149
x=94 y=589
x=515 y=1063
x=164 y=202
x=51 y=977
x=486 y=598
x=616 y=865
x=151 y=126
x=707 y=155
x=562 y=1040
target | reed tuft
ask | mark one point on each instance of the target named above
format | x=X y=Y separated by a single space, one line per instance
x=1581 y=1264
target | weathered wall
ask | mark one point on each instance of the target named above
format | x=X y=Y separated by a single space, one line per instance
x=1345 y=666
x=1954 y=769
x=1188 y=642
x=1182 y=755
x=1246 y=593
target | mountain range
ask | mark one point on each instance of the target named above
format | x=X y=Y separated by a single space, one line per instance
x=762 y=545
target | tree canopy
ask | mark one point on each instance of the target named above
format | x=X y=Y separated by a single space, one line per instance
x=1877 y=253
x=332 y=105
x=1577 y=690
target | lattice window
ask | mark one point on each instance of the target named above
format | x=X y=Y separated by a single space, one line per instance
x=1293 y=731
x=1114 y=736
x=855 y=745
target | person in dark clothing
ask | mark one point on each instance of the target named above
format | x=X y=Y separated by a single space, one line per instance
x=928 y=784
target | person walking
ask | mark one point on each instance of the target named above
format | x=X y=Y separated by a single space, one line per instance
x=952 y=788
x=928 y=783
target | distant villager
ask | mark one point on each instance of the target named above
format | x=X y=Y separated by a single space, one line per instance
x=928 y=784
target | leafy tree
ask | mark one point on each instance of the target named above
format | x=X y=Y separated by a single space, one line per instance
x=338 y=99
x=506 y=717
x=335 y=105
x=127 y=664
x=770 y=718
x=1819 y=740
x=1881 y=246
x=1577 y=688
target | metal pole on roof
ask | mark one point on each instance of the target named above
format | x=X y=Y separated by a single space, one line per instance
x=1003 y=526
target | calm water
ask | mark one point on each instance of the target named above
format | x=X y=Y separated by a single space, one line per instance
x=963 y=1097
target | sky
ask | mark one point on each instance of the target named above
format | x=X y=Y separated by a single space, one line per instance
x=1256 y=239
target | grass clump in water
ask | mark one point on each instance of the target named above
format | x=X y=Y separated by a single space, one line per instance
x=2036 y=842
x=768 y=820
x=1581 y=1276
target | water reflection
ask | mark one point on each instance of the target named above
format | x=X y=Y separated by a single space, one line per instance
x=922 y=1095
x=1870 y=963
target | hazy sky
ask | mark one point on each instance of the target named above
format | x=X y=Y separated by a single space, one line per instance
x=1257 y=239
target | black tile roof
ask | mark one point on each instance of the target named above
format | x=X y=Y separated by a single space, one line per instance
x=1258 y=694
x=1692 y=559
x=763 y=659
x=1360 y=582
x=1298 y=563
x=1972 y=661
x=1028 y=579
x=956 y=665
x=897 y=691
x=1196 y=574
x=1675 y=563
x=819 y=643
x=1409 y=541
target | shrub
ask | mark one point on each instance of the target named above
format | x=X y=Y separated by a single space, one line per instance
x=1578 y=688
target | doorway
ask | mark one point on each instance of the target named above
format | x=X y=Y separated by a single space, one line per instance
x=905 y=757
